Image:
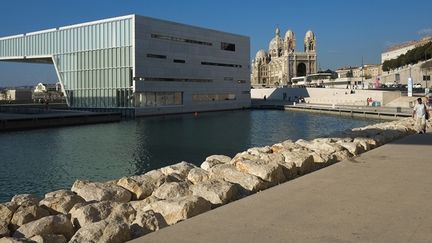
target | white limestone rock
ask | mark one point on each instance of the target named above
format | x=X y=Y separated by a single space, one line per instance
x=172 y=190
x=60 y=202
x=260 y=150
x=25 y=199
x=138 y=190
x=27 y=213
x=55 y=224
x=266 y=170
x=229 y=173
x=107 y=231
x=4 y=230
x=355 y=148
x=214 y=160
x=146 y=222
x=181 y=169
x=15 y=240
x=331 y=151
x=49 y=238
x=178 y=209
x=218 y=192
x=95 y=191
x=197 y=175
x=7 y=210
x=94 y=212
x=297 y=162
x=156 y=178
x=140 y=204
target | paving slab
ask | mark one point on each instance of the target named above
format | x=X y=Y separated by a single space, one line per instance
x=383 y=195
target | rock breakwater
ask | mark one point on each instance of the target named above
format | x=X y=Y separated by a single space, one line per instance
x=130 y=207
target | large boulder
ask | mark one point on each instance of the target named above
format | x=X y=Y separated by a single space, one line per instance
x=214 y=160
x=229 y=173
x=60 y=202
x=21 y=199
x=156 y=178
x=107 y=231
x=146 y=222
x=297 y=162
x=354 y=148
x=27 y=213
x=197 y=175
x=95 y=191
x=332 y=151
x=49 y=238
x=4 y=230
x=217 y=192
x=15 y=240
x=140 y=204
x=7 y=210
x=94 y=212
x=266 y=170
x=56 y=224
x=178 y=209
x=172 y=190
x=139 y=190
x=181 y=169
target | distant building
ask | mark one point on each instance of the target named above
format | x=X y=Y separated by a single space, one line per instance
x=368 y=71
x=397 y=50
x=282 y=62
x=141 y=64
x=20 y=95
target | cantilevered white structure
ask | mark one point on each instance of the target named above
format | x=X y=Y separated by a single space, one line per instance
x=142 y=64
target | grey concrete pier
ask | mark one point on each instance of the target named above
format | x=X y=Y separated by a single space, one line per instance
x=384 y=195
x=53 y=118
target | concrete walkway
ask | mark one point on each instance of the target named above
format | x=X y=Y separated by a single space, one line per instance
x=384 y=195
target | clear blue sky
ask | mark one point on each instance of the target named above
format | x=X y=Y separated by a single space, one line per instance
x=345 y=30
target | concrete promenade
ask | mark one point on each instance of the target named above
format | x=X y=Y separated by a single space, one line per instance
x=384 y=195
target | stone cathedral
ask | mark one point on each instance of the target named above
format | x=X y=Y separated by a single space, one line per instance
x=283 y=62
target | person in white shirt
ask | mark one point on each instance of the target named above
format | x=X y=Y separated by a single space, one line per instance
x=419 y=113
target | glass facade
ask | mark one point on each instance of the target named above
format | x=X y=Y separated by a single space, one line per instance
x=94 y=60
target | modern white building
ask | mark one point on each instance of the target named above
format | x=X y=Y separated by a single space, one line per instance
x=141 y=64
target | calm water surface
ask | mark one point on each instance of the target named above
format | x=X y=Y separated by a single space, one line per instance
x=44 y=160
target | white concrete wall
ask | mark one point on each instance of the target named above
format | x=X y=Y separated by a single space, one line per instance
x=327 y=95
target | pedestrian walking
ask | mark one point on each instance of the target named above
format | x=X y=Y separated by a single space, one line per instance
x=420 y=114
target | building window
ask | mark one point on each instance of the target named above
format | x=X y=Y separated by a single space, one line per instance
x=213 y=97
x=179 y=61
x=228 y=78
x=150 y=99
x=221 y=64
x=173 y=79
x=179 y=39
x=156 y=56
x=241 y=81
x=227 y=46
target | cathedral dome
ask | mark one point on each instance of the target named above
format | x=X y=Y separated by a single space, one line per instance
x=289 y=35
x=261 y=54
x=276 y=44
x=310 y=34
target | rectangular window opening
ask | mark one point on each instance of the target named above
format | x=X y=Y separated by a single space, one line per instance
x=227 y=46
x=221 y=64
x=156 y=56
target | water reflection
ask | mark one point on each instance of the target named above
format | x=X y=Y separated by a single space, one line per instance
x=44 y=160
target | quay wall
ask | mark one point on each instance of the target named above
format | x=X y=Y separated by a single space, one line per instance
x=131 y=207
x=327 y=95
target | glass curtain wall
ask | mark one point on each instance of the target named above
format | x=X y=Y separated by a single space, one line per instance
x=94 y=61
